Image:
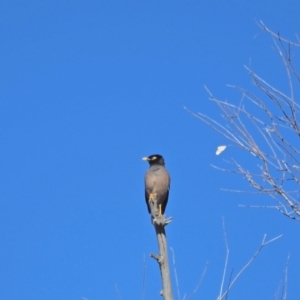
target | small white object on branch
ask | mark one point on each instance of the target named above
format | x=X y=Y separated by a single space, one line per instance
x=220 y=149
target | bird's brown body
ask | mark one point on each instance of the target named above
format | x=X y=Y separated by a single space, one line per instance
x=157 y=185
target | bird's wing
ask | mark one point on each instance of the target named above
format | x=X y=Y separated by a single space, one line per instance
x=165 y=202
x=147 y=202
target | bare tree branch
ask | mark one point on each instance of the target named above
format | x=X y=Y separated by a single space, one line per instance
x=118 y=292
x=144 y=278
x=268 y=128
x=263 y=243
x=282 y=289
x=226 y=260
x=199 y=282
x=162 y=259
x=175 y=273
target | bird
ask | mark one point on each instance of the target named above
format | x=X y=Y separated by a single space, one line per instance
x=157 y=185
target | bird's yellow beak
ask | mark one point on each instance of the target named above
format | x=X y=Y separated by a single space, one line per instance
x=145 y=158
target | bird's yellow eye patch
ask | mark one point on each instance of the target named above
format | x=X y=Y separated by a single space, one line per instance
x=153 y=158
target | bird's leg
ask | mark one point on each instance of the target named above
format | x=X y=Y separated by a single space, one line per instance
x=153 y=204
x=152 y=197
x=159 y=210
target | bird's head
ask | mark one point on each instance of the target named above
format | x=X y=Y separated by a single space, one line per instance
x=155 y=159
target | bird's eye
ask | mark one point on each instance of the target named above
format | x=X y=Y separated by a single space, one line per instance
x=153 y=158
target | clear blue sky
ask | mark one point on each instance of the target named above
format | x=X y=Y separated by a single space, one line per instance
x=90 y=87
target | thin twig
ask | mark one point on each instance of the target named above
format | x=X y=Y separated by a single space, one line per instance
x=199 y=282
x=144 y=278
x=118 y=293
x=175 y=273
x=263 y=244
x=229 y=281
x=226 y=260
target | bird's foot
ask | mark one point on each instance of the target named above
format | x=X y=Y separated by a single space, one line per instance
x=161 y=220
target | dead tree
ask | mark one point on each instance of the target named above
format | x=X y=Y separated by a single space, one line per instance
x=265 y=126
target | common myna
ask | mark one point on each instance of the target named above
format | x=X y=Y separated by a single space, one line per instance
x=157 y=185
